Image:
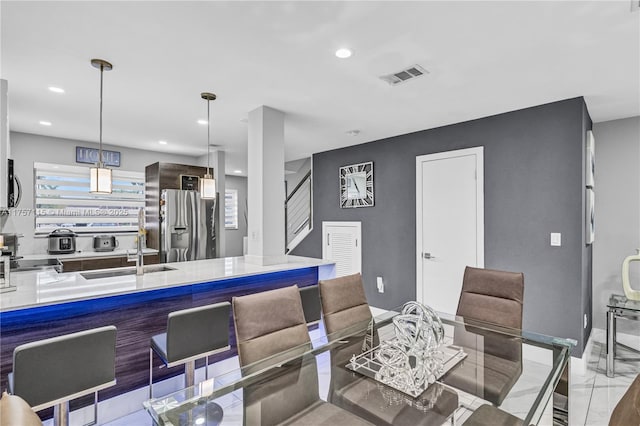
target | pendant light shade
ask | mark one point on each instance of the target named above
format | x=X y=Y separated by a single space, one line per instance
x=100 y=180
x=207 y=187
x=207 y=182
x=100 y=176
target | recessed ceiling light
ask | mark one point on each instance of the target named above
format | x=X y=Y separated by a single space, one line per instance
x=45 y=123
x=343 y=53
x=56 y=89
x=203 y=122
x=237 y=172
x=162 y=142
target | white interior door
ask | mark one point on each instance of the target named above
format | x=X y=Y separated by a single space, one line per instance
x=450 y=224
x=341 y=243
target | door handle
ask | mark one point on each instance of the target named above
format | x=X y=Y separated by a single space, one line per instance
x=428 y=256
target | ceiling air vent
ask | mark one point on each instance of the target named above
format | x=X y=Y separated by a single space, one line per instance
x=405 y=75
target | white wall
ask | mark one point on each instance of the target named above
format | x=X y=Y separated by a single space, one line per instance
x=234 y=236
x=617 y=210
x=28 y=148
x=295 y=171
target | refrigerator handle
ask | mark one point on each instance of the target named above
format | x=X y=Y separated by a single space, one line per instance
x=193 y=243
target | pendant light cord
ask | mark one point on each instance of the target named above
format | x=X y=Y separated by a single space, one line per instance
x=208 y=134
x=100 y=151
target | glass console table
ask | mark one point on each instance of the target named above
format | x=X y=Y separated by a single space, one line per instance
x=619 y=307
x=513 y=370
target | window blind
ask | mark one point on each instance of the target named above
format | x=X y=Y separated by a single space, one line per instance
x=231 y=209
x=63 y=200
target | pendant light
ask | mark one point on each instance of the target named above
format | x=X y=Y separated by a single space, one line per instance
x=208 y=183
x=100 y=175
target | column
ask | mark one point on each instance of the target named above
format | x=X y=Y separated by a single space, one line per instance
x=217 y=162
x=4 y=142
x=265 y=187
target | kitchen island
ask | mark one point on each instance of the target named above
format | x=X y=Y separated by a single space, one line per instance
x=48 y=304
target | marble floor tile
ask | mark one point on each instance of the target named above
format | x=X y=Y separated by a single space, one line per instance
x=137 y=418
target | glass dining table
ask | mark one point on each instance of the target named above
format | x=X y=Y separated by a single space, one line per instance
x=619 y=307
x=514 y=372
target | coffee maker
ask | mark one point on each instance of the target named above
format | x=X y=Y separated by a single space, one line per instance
x=8 y=247
x=11 y=245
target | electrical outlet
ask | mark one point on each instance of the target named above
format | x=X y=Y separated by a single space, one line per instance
x=380 y=285
x=585 y=321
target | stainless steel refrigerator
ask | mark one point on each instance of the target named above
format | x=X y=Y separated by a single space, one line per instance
x=187 y=226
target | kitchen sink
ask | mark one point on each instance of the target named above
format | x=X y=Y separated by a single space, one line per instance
x=124 y=271
x=20 y=265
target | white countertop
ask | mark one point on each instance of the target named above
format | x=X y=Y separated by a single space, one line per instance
x=87 y=253
x=49 y=287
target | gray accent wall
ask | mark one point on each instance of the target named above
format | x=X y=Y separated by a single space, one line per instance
x=587 y=249
x=534 y=185
x=617 y=188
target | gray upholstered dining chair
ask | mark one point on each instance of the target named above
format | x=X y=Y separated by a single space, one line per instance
x=52 y=371
x=344 y=303
x=493 y=363
x=15 y=411
x=269 y=323
x=492 y=296
x=191 y=334
x=345 y=307
x=488 y=415
x=627 y=410
x=625 y=413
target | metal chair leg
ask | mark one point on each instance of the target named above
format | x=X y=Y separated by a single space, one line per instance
x=61 y=414
x=95 y=408
x=189 y=373
x=150 y=373
x=206 y=367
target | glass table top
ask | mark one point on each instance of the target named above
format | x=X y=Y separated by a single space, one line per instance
x=618 y=301
x=514 y=370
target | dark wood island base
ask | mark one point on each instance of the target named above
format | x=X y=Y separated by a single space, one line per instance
x=137 y=316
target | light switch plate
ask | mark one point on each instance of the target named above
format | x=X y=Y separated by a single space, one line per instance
x=556 y=239
x=380 y=285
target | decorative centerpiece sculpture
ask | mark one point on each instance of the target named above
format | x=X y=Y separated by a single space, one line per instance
x=415 y=357
x=412 y=360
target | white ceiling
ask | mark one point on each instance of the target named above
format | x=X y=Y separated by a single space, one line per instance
x=483 y=57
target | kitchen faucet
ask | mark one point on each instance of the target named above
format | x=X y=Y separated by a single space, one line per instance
x=138 y=257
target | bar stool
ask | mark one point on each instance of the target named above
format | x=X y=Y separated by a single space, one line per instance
x=192 y=334
x=53 y=371
x=310 y=296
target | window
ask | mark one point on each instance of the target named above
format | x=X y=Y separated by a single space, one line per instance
x=63 y=200
x=231 y=209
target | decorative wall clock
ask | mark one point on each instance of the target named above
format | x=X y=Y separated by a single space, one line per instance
x=356 y=185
